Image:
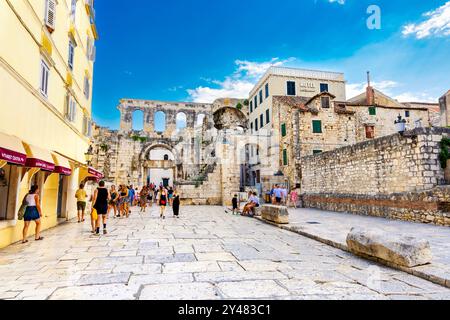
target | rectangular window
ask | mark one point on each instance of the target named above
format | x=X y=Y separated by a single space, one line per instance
x=267 y=116
x=256 y=102
x=256 y=124
x=71 y=109
x=261 y=120
x=317 y=126
x=291 y=88
x=87 y=87
x=370 y=132
x=317 y=151
x=372 y=111
x=71 y=54
x=260 y=96
x=407 y=114
x=251 y=127
x=50 y=14
x=285 y=158
x=45 y=72
x=324 y=87
x=267 y=90
x=251 y=106
x=283 y=130
x=73 y=10
x=325 y=102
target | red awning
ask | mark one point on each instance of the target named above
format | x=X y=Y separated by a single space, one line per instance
x=62 y=165
x=39 y=158
x=11 y=150
x=95 y=173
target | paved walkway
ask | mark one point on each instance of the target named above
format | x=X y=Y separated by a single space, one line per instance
x=207 y=254
x=333 y=227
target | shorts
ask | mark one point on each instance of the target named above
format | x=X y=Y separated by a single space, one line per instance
x=278 y=200
x=81 y=205
x=31 y=214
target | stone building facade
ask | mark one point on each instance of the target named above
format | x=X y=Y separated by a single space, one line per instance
x=205 y=160
x=308 y=126
x=396 y=176
x=444 y=109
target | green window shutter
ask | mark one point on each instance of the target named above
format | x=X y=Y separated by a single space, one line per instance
x=317 y=126
x=372 y=111
x=317 y=151
x=283 y=130
x=285 y=157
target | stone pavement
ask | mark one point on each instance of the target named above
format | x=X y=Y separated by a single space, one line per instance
x=332 y=228
x=207 y=254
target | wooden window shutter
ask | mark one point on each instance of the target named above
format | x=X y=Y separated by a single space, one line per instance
x=50 y=14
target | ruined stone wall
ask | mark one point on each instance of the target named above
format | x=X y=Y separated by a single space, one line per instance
x=394 y=177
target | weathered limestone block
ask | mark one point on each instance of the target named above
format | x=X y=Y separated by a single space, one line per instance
x=405 y=251
x=277 y=214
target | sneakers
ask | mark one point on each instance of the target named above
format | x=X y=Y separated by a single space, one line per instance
x=105 y=232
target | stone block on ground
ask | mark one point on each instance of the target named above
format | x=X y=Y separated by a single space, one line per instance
x=401 y=250
x=277 y=214
x=257 y=211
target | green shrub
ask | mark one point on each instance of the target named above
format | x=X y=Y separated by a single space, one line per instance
x=444 y=155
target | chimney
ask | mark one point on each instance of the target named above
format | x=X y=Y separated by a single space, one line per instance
x=370 y=93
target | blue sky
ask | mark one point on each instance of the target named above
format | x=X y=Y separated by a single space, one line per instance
x=198 y=50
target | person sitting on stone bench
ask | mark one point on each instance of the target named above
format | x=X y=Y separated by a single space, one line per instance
x=253 y=202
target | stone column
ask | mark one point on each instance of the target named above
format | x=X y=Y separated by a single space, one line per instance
x=126 y=119
x=171 y=123
x=230 y=168
x=149 y=121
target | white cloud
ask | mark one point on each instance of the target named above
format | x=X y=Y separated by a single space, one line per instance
x=437 y=23
x=415 y=97
x=388 y=87
x=237 y=85
x=338 y=1
x=385 y=86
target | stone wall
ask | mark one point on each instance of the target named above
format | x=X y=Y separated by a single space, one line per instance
x=394 y=177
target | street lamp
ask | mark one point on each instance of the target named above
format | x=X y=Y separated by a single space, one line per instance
x=400 y=125
x=89 y=155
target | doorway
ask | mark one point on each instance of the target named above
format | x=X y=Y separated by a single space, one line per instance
x=166 y=182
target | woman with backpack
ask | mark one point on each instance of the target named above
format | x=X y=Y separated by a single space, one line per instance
x=33 y=212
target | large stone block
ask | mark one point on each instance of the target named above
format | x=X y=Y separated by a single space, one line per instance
x=277 y=214
x=401 y=250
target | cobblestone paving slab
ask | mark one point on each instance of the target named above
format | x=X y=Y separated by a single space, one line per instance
x=206 y=254
x=332 y=228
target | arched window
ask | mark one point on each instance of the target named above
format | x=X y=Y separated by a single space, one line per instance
x=138 y=120
x=160 y=121
x=166 y=157
x=181 y=121
x=200 y=119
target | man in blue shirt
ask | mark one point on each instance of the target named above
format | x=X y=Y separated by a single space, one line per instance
x=278 y=194
x=131 y=194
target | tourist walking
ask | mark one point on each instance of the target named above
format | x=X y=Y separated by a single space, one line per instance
x=294 y=198
x=278 y=193
x=100 y=201
x=143 y=198
x=131 y=194
x=123 y=201
x=113 y=203
x=33 y=212
x=162 y=202
x=81 y=197
x=170 y=195
x=150 y=196
x=234 y=202
x=176 y=204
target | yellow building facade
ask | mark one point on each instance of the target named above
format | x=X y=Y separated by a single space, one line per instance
x=47 y=58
